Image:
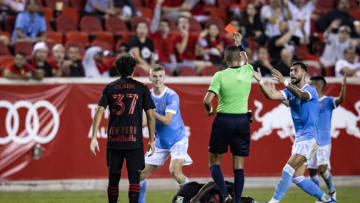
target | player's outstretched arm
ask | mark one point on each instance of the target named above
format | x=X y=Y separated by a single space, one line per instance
x=208 y=103
x=292 y=88
x=150 y=116
x=342 y=95
x=166 y=120
x=203 y=191
x=268 y=92
x=97 y=119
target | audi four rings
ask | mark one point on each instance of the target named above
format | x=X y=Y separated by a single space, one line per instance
x=33 y=121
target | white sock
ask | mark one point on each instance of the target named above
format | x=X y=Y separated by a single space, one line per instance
x=273 y=201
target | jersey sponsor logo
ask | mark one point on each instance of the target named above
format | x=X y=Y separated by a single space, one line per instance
x=278 y=118
x=344 y=119
x=33 y=121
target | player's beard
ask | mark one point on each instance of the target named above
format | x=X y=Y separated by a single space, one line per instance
x=295 y=81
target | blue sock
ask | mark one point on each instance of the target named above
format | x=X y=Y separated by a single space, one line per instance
x=308 y=186
x=239 y=184
x=219 y=180
x=328 y=180
x=315 y=179
x=142 y=191
x=284 y=183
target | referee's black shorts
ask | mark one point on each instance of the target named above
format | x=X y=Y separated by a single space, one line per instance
x=135 y=160
x=233 y=130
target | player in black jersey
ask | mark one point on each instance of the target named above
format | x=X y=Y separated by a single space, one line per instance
x=126 y=99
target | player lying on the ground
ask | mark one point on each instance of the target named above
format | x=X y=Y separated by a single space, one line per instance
x=304 y=106
x=194 y=192
x=320 y=162
x=231 y=126
x=170 y=133
x=127 y=99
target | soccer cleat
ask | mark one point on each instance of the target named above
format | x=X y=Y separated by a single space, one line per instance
x=228 y=199
x=333 y=195
x=318 y=201
x=332 y=200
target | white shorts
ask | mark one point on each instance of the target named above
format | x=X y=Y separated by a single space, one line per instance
x=321 y=157
x=178 y=151
x=305 y=148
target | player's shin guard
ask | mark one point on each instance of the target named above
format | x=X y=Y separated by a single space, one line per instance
x=113 y=187
x=315 y=179
x=308 y=186
x=328 y=180
x=239 y=184
x=134 y=186
x=284 y=183
x=142 y=191
x=218 y=178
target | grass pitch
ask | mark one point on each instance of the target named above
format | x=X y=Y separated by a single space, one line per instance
x=294 y=195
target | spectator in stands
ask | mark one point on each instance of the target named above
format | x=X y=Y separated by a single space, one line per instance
x=93 y=63
x=250 y=20
x=301 y=11
x=348 y=65
x=263 y=62
x=175 y=8
x=100 y=8
x=10 y=8
x=286 y=39
x=163 y=39
x=185 y=46
x=29 y=25
x=273 y=14
x=20 y=70
x=76 y=68
x=212 y=45
x=335 y=44
x=125 y=9
x=340 y=14
x=58 y=62
x=142 y=47
x=40 y=52
x=241 y=29
x=284 y=64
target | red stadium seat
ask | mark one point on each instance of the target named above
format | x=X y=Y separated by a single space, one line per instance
x=224 y=3
x=48 y=13
x=65 y=24
x=52 y=3
x=168 y=72
x=56 y=37
x=24 y=47
x=77 y=44
x=194 y=25
x=187 y=71
x=217 y=21
x=135 y=20
x=104 y=45
x=322 y=7
x=72 y=13
x=209 y=71
x=4 y=49
x=78 y=4
x=330 y=71
x=138 y=3
x=107 y=37
x=217 y=12
x=139 y=72
x=90 y=24
x=145 y=12
x=6 y=59
x=81 y=37
x=50 y=45
x=9 y=23
x=114 y=24
x=124 y=37
x=312 y=71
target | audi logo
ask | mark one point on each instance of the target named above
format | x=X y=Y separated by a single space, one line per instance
x=32 y=122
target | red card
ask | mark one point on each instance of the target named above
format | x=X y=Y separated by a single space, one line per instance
x=230 y=29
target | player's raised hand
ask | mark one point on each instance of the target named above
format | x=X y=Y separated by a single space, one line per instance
x=237 y=37
x=257 y=74
x=94 y=145
x=278 y=76
x=151 y=148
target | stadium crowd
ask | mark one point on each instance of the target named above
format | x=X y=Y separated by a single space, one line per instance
x=82 y=38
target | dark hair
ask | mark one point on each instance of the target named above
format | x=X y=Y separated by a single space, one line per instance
x=167 y=20
x=125 y=65
x=20 y=53
x=319 y=78
x=232 y=53
x=138 y=23
x=301 y=64
x=157 y=68
x=177 y=20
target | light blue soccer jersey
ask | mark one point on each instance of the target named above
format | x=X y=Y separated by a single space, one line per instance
x=167 y=136
x=305 y=114
x=327 y=105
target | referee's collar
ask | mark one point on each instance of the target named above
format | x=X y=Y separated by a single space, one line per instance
x=235 y=67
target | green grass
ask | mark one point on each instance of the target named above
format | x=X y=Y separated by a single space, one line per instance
x=294 y=195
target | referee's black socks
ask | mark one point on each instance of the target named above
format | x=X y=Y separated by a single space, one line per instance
x=218 y=178
x=238 y=184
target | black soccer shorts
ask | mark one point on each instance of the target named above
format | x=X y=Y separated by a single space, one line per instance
x=233 y=130
x=135 y=160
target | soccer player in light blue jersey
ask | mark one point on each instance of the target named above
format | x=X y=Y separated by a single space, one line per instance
x=320 y=162
x=170 y=133
x=304 y=106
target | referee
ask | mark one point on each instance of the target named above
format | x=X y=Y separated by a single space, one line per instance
x=126 y=98
x=231 y=125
